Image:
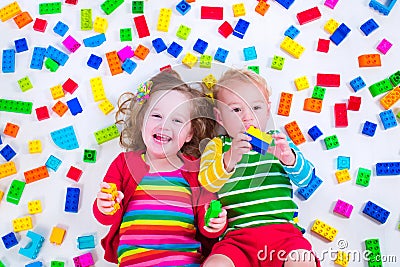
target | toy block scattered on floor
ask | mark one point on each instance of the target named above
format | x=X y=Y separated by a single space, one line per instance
x=318 y=92
x=205 y=61
x=9 y=11
x=113 y=63
x=23 y=19
x=374 y=255
x=340 y=34
x=278 y=62
x=25 y=84
x=285 y=104
x=314 y=132
x=308 y=15
x=57 y=264
x=8 y=61
x=21 y=45
x=106 y=134
x=56 y=55
x=16 y=106
x=241 y=28
x=369 y=60
x=295 y=133
x=292 y=32
x=86 y=242
x=357 y=83
x=22 y=224
x=369 y=26
x=331 y=142
x=189 y=60
x=387 y=168
x=97 y=89
x=174 y=49
x=36 y=174
x=53 y=163
x=391 y=98
x=215 y=13
x=342 y=176
x=125 y=53
x=37 y=58
x=285 y=3
x=323 y=45
x=331 y=3
x=74 y=106
x=50 y=8
x=7 y=169
x=65 y=138
x=137 y=7
x=125 y=34
x=141 y=52
x=106 y=106
x=11 y=129
x=57 y=92
x=141 y=26
x=324 y=230
x=159 y=45
x=340 y=111
x=331 y=25
x=388 y=119
x=343 y=162
x=35 y=146
x=313 y=105
x=72 y=200
x=71 y=44
x=292 y=47
x=384 y=46
x=74 y=173
x=33 y=248
x=354 y=103
x=86 y=19
x=164 y=19
x=89 y=155
x=70 y=86
x=7 y=152
x=302 y=83
x=110 y=6
x=342 y=258
x=376 y=212
x=307 y=191
x=328 y=80
x=100 y=25
x=34 y=206
x=225 y=29
x=60 y=108
x=57 y=235
x=343 y=208
x=221 y=55
x=9 y=240
x=84 y=260
x=61 y=28
x=262 y=7
x=95 y=41
x=51 y=65
x=256 y=69
x=363 y=177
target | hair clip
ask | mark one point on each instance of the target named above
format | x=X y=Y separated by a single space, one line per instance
x=143 y=92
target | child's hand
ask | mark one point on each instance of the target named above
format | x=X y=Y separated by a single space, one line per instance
x=104 y=200
x=216 y=224
x=240 y=146
x=282 y=150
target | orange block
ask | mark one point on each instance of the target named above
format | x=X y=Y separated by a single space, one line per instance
x=141 y=52
x=57 y=235
x=11 y=130
x=60 y=108
x=295 y=133
x=113 y=63
x=23 y=19
x=36 y=174
x=369 y=60
x=285 y=102
x=391 y=98
x=313 y=105
x=262 y=7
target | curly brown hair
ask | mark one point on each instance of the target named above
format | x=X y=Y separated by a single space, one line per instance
x=131 y=114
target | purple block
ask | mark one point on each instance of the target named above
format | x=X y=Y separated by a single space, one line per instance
x=331 y=3
x=125 y=53
x=343 y=208
x=84 y=260
x=71 y=44
x=384 y=46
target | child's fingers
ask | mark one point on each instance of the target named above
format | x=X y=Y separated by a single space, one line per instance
x=242 y=137
x=279 y=136
x=107 y=210
x=105 y=203
x=222 y=214
x=105 y=196
x=104 y=185
x=120 y=196
x=217 y=221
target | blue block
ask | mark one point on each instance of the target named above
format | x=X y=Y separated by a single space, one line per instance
x=183 y=7
x=388 y=119
x=241 y=28
x=159 y=45
x=8 y=153
x=384 y=9
x=285 y=3
x=376 y=212
x=85 y=242
x=249 y=53
x=343 y=162
x=369 y=128
x=357 y=83
x=35 y=264
x=369 y=26
x=72 y=199
x=56 y=55
x=53 y=163
x=174 y=49
x=200 y=46
x=74 y=106
x=314 y=132
x=292 y=32
x=129 y=66
x=9 y=240
x=1 y=141
x=61 y=28
x=32 y=249
x=94 y=61
x=307 y=191
x=221 y=55
x=387 y=168
x=65 y=138
x=21 y=45
x=8 y=61
x=95 y=41
x=37 y=58
x=339 y=34
x=258 y=145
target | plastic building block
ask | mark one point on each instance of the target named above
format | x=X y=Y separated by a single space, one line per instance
x=200 y=46
x=369 y=128
x=318 y=92
x=213 y=211
x=97 y=89
x=7 y=152
x=57 y=264
x=331 y=3
x=369 y=60
x=60 y=108
x=292 y=47
x=25 y=84
x=33 y=248
x=382 y=8
x=74 y=106
x=8 y=61
x=74 y=173
x=141 y=26
x=328 y=80
x=34 y=206
x=35 y=146
x=85 y=242
x=313 y=105
x=376 y=212
x=260 y=141
x=71 y=2
x=331 y=142
x=61 y=28
x=37 y=58
x=302 y=83
x=11 y=130
x=241 y=28
x=239 y=10
x=65 y=138
x=388 y=168
x=159 y=45
x=343 y=162
x=291 y=32
x=129 y=66
x=357 y=83
x=183 y=32
x=324 y=230
x=9 y=240
x=53 y=163
x=342 y=257
x=331 y=25
x=22 y=224
x=380 y=87
x=307 y=191
x=57 y=235
x=262 y=8
x=2 y=264
x=221 y=55
x=9 y=11
x=106 y=134
x=7 y=169
x=343 y=208
x=94 y=41
x=208 y=12
x=1 y=195
x=35 y=264
x=71 y=44
x=23 y=19
x=50 y=8
x=285 y=3
x=256 y=69
x=384 y=46
x=369 y=26
x=125 y=34
x=72 y=199
x=374 y=252
x=250 y=53
x=323 y=45
x=314 y=132
x=295 y=133
x=183 y=7
x=70 y=86
x=89 y=155
x=110 y=6
x=190 y=60
x=100 y=25
x=391 y=98
x=340 y=34
x=164 y=18
x=209 y=81
x=84 y=260
x=36 y=174
x=342 y=176
x=57 y=91
x=308 y=15
x=363 y=177
x=354 y=103
x=388 y=119
x=225 y=29
x=21 y=45
x=285 y=104
x=56 y=55
x=86 y=19
x=106 y=106
x=113 y=63
x=16 y=106
x=40 y=25
x=112 y=190
x=141 y=52
x=340 y=111
x=137 y=7
x=174 y=49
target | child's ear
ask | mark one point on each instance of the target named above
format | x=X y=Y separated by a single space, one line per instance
x=218 y=116
x=189 y=137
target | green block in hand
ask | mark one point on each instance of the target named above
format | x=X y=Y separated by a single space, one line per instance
x=213 y=211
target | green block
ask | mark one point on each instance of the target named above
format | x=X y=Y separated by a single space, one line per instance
x=125 y=34
x=363 y=177
x=380 y=87
x=51 y=65
x=110 y=5
x=374 y=257
x=16 y=106
x=183 y=32
x=278 y=62
x=256 y=69
x=89 y=156
x=50 y=8
x=15 y=192
x=137 y=7
x=395 y=78
x=331 y=142
x=213 y=211
x=25 y=84
x=57 y=264
x=2 y=264
x=319 y=92
x=398 y=115
x=86 y=19
x=106 y=134
x=205 y=61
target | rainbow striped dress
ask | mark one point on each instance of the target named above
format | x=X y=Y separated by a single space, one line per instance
x=157 y=228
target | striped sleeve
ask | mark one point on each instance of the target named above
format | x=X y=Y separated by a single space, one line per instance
x=212 y=173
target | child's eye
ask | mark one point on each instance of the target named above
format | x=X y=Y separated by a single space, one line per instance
x=156 y=115
x=257 y=107
x=236 y=109
x=177 y=121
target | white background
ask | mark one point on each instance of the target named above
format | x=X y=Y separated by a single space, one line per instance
x=265 y=33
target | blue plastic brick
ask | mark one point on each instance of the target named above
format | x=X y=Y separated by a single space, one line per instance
x=369 y=128
x=387 y=168
x=1 y=141
x=21 y=45
x=200 y=46
x=9 y=240
x=369 y=26
x=8 y=61
x=65 y=138
x=221 y=55
x=159 y=45
x=258 y=145
x=35 y=264
x=7 y=152
x=53 y=163
x=339 y=34
x=94 y=41
x=292 y=32
x=94 y=61
x=183 y=7
x=250 y=53
x=72 y=199
x=32 y=249
x=129 y=66
x=174 y=49
x=307 y=191
x=241 y=28
x=285 y=3
x=343 y=162
x=376 y=212
x=314 y=132
x=384 y=9
x=86 y=242
x=56 y=55
x=357 y=83
x=61 y=28
x=37 y=58
x=388 y=119
x=74 y=106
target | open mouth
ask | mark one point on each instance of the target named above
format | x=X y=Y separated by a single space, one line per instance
x=160 y=138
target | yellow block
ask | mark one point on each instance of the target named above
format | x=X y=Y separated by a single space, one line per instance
x=35 y=146
x=100 y=25
x=326 y=231
x=57 y=235
x=239 y=10
x=391 y=98
x=1 y=195
x=331 y=26
x=97 y=89
x=34 y=206
x=189 y=60
x=57 y=92
x=114 y=193
x=260 y=135
x=302 y=83
x=9 y=11
x=164 y=19
x=7 y=169
x=23 y=223
x=106 y=106
x=343 y=176
x=342 y=258
x=292 y=47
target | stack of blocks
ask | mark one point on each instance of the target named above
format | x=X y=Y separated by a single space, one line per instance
x=260 y=141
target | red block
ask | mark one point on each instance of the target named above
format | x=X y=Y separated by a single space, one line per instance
x=323 y=45
x=308 y=15
x=328 y=80
x=70 y=86
x=225 y=29
x=74 y=173
x=208 y=12
x=40 y=25
x=42 y=113
x=72 y=2
x=141 y=26
x=354 y=103
x=341 y=115
x=165 y=67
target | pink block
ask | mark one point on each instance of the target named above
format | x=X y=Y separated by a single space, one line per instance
x=331 y=3
x=125 y=53
x=71 y=44
x=384 y=46
x=84 y=260
x=343 y=208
